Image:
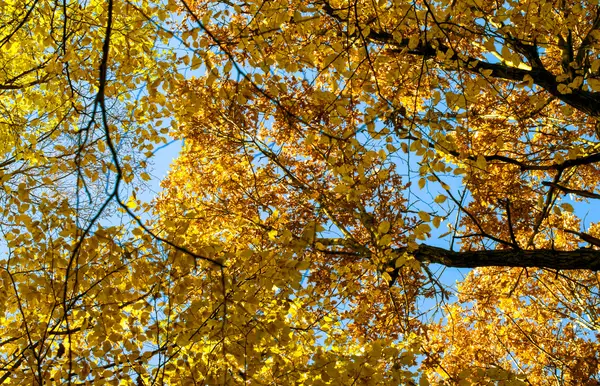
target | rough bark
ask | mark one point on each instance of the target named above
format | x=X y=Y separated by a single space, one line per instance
x=583 y=258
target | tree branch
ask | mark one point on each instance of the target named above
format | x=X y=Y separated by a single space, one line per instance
x=584 y=101
x=583 y=258
x=579 y=192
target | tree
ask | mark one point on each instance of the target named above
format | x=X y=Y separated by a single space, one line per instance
x=328 y=144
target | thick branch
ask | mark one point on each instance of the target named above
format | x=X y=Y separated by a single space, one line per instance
x=583 y=258
x=584 y=101
x=24 y=85
x=582 y=193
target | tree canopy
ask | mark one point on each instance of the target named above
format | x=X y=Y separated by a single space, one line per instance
x=339 y=160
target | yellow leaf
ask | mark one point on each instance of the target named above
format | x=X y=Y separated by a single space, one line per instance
x=303 y=265
x=400 y=261
x=413 y=42
x=481 y=162
x=132 y=203
x=383 y=227
x=563 y=88
x=196 y=62
x=499 y=143
x=385 y=240
x=594 y=83
x=341 y=188
x=567 y=207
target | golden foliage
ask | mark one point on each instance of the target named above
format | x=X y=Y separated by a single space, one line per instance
x=325 y=145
